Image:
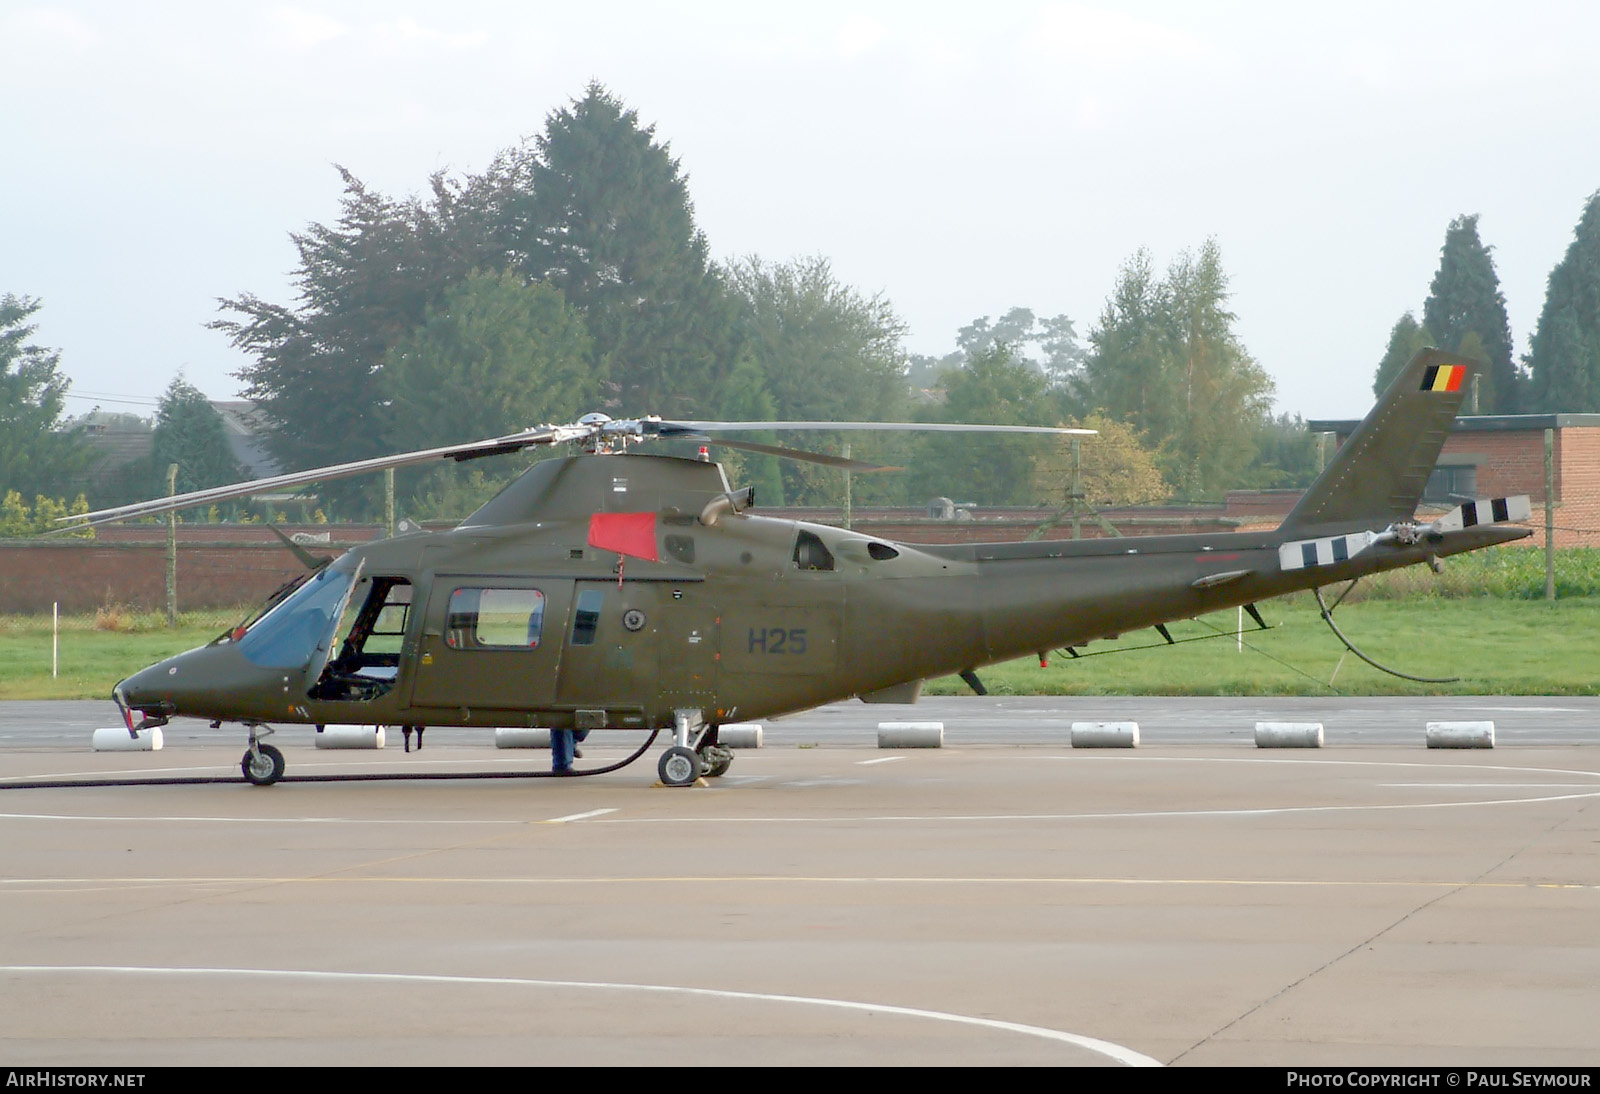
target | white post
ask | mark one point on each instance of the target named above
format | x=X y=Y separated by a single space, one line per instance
x=1238 y=633
x=55 y=636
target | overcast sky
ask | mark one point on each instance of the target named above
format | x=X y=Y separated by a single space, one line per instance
x=961 y=159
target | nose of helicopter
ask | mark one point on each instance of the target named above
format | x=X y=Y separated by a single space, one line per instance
x=209 y=682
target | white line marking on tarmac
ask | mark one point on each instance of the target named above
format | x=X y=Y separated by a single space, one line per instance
x=570 y=817
x=1126 y=1056
x=1493 y=786
x=879 y=760
x=1174 y=814
x=251 y=820
x=58 y=884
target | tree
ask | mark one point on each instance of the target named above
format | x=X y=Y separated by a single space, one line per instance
x=17 y=519
x=1405 y=339
x=1164 y=358
x=1127 y=370
x=363 y=283
x=190 y=433
x=1465 y=299
x=822 y=351
x=494 y=356
x=1049 y=344
x=1288 y=455
x=745 y=399
x=601 y=211
x=1053 y=340
x=36 y=457
x=1114 y=468
x=994 y=389
x=825 y=350
x=1564 y=356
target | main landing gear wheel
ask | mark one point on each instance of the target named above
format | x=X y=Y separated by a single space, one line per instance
x=262 y=765
x=679 y=766
x=715 y=760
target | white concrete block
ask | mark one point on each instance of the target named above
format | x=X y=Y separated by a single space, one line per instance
x=521 y=737
x=1288 y=734
x=910 y=734
x=1105 y=734
x=350 y=737
x=1460 y=734
x=740 y=735
x=116 y=739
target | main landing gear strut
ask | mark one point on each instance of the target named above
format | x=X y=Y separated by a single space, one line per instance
x=695 y=751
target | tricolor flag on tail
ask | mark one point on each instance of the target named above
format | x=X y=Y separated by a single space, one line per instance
x=1484 y=511
x=1443 y=377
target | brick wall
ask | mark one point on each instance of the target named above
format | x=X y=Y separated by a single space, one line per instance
x=83 y=575
x=1577 y=517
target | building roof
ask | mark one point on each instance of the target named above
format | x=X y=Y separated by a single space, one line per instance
x=1478 y=423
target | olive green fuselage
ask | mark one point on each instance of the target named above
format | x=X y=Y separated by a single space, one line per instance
x=529 y=614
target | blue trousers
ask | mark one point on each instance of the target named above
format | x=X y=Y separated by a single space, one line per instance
x=562 y=742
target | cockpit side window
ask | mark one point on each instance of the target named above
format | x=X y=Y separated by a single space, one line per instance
x=810 y=553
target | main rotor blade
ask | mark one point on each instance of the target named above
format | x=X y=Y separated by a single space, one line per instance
x=196 y=498
x=799 y=454
x=668 y=428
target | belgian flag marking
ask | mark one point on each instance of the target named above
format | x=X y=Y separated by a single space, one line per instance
x=1443 y=377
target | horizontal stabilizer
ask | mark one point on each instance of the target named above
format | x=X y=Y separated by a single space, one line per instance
x=1325 y=551
x=1484 y=511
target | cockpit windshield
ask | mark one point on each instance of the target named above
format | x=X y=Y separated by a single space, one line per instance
x=287 y=636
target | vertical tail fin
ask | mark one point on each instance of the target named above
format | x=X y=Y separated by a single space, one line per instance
x=1378 y=475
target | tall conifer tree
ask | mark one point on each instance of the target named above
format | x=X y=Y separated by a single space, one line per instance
x=1465 y=299
x=605 y=216
x=1164 y=358
x=1564 y=359
x=1405 y=339
x=35 y=456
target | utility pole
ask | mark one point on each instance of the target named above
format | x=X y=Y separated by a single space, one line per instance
x=1549 y=514
x=847 y=487
x=388 y=500
x=172 y=549
x=1077 y=486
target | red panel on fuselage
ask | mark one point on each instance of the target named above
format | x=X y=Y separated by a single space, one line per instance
x=631 y=534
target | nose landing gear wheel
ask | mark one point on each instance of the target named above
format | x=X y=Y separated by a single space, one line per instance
x=263 y=767
x=679 y=766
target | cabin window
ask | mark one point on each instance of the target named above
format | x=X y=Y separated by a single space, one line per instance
x=586 y=617
x=495 y=619
x=810 y=553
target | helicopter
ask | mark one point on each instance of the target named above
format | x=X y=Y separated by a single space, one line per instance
x=614 y=590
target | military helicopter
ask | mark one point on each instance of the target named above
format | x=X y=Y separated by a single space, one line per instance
x=616 y=590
